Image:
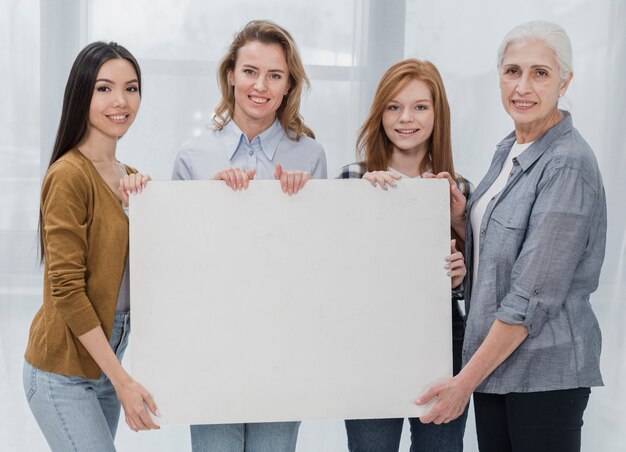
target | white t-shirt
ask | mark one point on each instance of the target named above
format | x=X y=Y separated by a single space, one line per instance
x=395 y=171
x=480 y=206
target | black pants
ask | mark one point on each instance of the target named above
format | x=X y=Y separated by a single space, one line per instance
x=530 y=422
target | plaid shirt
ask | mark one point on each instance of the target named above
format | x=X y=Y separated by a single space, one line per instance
x=358 y=170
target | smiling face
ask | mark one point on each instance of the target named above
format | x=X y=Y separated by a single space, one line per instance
x=115 y=100
x=530 y=86
x=260 y=80
x=409 y=117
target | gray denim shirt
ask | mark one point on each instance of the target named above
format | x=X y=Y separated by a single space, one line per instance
x=542 y=242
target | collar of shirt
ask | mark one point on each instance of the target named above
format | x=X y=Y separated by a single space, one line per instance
x=268 y=140
x=540 y=145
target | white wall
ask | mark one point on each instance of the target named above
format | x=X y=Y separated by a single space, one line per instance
x=346 y=46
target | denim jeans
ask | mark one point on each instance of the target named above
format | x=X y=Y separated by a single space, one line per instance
x=74 y=413
x=383 y=435
x=254 y=437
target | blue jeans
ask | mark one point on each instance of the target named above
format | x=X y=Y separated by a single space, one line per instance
x=254 y=437
x=383 y=435
x=74 y=413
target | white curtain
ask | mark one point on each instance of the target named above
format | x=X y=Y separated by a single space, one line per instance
x=345 y=47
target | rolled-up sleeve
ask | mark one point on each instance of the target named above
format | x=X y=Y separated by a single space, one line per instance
x=557 y=235
x=64 y=226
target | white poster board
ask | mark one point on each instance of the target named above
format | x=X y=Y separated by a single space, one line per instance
x=255 y=306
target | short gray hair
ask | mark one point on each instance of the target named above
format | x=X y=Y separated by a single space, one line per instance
x=552 y=34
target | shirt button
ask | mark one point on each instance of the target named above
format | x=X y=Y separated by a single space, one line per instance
x=483 y=232
x=251 y=152
x=511 y=174
x=535 y=292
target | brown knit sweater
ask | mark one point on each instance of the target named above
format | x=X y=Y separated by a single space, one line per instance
x=85 y=239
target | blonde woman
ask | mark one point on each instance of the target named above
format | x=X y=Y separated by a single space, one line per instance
x=258 y=133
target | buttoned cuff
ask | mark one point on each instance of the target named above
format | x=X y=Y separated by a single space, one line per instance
x=457 y=292
x=516 y=310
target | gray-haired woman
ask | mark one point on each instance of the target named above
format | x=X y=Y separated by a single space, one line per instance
x=535 y=243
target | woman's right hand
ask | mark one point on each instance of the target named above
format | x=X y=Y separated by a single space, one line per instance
x=235 y=178
x=132 y=183
x=382 y=178
x=134 y=399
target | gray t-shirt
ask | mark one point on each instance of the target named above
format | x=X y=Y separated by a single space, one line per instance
x=123 y=298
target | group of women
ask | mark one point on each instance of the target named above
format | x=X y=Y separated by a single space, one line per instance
x=527 y=247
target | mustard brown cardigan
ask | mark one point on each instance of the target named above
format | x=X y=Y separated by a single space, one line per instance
x=85 y=243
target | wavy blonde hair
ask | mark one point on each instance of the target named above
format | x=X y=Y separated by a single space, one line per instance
x=288 y=113
x=374 y=147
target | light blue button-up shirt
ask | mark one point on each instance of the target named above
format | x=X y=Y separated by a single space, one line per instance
x=542 y=242
x=202 y=157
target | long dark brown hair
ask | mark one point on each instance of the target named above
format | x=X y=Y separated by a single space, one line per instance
x=77 y=100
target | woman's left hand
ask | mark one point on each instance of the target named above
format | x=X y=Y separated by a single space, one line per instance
x=457 y=199
x=291 y=182
x=136 y=401
x=132 y=183
x=455 y=265
x=452 y=397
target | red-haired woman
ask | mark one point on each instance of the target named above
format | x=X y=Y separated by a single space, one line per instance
x=407 y=134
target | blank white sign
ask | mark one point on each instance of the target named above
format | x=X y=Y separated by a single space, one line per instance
x=255 y=306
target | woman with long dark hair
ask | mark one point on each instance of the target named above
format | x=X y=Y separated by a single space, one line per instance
x=73 y=378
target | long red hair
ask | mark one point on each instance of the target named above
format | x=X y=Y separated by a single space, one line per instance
x=374 y=147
